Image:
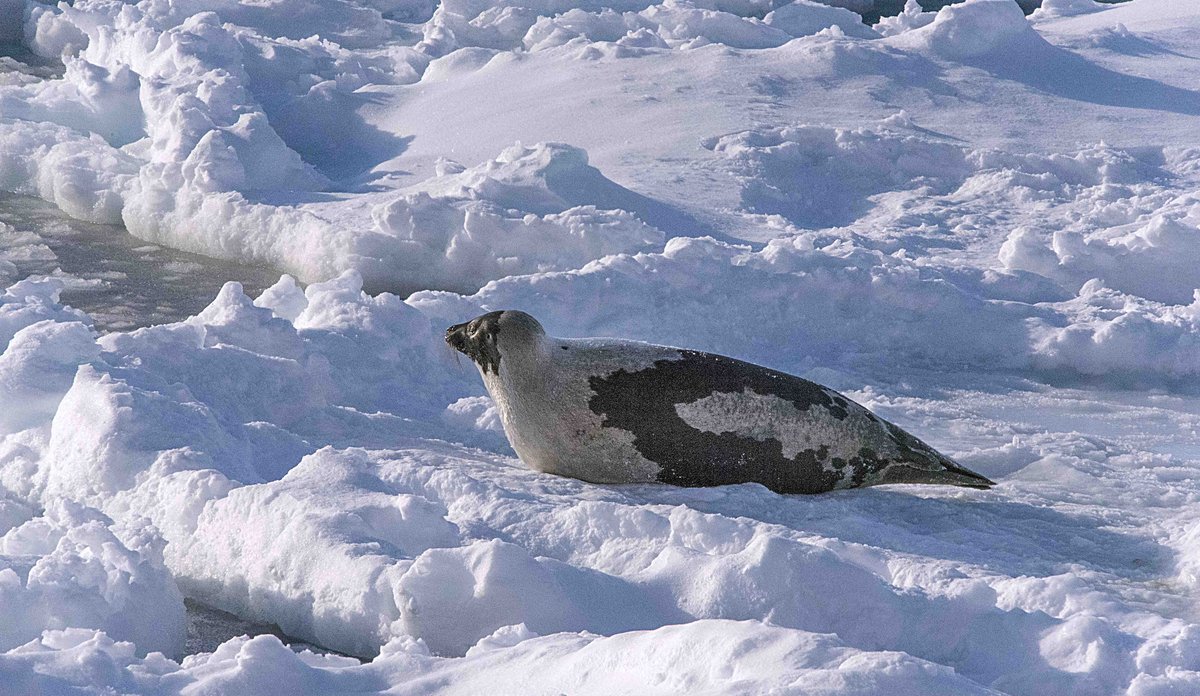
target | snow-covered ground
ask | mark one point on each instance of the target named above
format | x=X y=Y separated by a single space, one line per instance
x=983 y=226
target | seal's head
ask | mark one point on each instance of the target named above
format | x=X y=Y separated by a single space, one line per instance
x=488 y=338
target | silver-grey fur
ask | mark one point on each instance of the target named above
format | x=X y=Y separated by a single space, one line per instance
x=617 y=411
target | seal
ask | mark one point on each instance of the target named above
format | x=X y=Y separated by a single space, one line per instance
x=617 y=411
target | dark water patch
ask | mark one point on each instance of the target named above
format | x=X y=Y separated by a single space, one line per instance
x=207 y=628
x=16 y=59
x=123 y=282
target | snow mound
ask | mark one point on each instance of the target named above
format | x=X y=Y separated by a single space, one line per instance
x=29 y=301
x=1065 y=8
x=530 y=209
x=707 y=657
x=788 y=292
x=912 y=17
x=804 y=18
x=37 y=368
x=1148 y=258
x=82 y=174
x=974 y=29
x=73 y=568
x=406 y=564
x=194 y=172
x=680 y=24
x=1123 y=336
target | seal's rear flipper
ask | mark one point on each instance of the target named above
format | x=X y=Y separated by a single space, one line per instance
x=952 y=475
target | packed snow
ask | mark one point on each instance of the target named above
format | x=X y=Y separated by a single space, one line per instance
x=980 y=224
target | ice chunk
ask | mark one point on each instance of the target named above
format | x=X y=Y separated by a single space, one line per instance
x=805 y=17
x=974 y=29
x=73 y=568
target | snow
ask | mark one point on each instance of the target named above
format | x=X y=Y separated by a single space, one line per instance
x=720 y=657
x=972 y=30
x=228 y=432
x=979 y=224
x=71 y=567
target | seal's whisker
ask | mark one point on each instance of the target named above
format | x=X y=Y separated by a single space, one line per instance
x=455 y=353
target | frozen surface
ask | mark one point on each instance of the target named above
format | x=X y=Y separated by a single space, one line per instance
x=981 y=225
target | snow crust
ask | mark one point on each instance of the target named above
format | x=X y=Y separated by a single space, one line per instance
x=979 y=225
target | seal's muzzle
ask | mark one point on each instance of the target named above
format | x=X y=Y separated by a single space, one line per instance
x=456 y=336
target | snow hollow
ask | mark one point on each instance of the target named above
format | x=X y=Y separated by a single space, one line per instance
x=983 y=225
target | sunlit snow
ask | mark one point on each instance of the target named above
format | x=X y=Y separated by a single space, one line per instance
x=983 y=225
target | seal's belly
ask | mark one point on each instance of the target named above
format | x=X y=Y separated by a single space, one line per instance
x=570 y=440
x=581 y=448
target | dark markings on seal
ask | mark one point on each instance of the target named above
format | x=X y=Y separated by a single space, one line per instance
x=644 y=403
x=621 y=412
x=477 y=340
